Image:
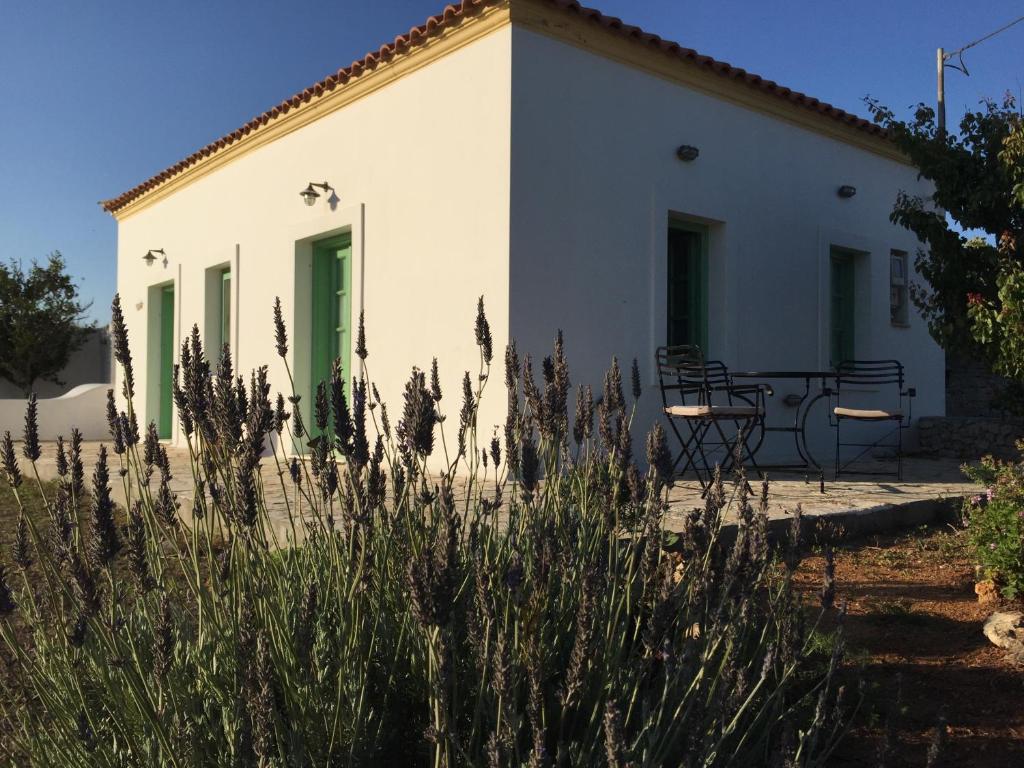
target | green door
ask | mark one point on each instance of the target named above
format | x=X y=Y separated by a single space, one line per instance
x=166 y=359
x=687 y=285
x=331 y=308
x=843 y=308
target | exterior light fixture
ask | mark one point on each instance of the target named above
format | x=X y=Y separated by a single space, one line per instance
x=151 y=254
x=846 y=191
x=687 y=154
x=309 y=194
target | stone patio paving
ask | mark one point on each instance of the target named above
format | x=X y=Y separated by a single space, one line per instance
x=923 y=479
x=929 y=487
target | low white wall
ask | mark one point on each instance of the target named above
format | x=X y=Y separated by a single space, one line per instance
x=83 y=407
x=92 y=363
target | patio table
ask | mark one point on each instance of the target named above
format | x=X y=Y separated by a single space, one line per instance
x=804 y=403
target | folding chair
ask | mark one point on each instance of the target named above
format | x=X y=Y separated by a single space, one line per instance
x=706 y=398
x=855 y=380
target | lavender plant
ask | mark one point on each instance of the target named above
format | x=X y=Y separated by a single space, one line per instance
x=517 y=607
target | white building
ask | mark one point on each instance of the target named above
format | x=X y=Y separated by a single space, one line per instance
x=526 y=151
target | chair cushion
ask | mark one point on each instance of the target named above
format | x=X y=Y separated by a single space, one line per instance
x=867 y=414
x=705 y=411
x=689 y=411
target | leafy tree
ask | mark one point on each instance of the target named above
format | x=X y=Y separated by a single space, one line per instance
x=973 y=295
x=40 y=321
x=999 y=323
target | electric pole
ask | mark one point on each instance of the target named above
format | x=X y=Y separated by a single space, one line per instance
x=941 y=57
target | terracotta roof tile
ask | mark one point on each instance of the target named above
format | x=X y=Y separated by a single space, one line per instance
x=454 y=14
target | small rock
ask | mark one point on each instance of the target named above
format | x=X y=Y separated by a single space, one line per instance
x=987 y=592
x=1006 y=630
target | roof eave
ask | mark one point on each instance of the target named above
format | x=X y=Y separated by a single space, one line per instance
x=460 y=24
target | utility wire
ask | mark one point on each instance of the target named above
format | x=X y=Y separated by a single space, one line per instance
x=960 y=51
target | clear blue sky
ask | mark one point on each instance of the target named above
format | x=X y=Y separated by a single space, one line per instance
x=95 y=97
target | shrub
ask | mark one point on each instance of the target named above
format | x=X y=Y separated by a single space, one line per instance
x=995 y=522
x=518 y=608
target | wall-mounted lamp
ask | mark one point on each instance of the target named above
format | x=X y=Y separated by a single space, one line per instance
x=846 y=191
x=309 y=194
x=151 y=254
x=687 y=154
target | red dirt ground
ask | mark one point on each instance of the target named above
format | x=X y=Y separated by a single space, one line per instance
x=913 y=612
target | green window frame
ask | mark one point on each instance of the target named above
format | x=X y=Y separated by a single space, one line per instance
x=331 y=309
x=843 y=307
x=899 y=289
x=166 y=361
x=687 y=287
x=225 y=306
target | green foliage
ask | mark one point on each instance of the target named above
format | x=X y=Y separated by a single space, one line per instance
x=995 y=522
x=513 y=605
x=999 y=324
x=40 y=322
x=1013 y=158
x=977 y=174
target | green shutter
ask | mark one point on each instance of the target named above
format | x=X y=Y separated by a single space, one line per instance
x=687 y=285
x=331 y=312
x=166 y=359
x=843 y=308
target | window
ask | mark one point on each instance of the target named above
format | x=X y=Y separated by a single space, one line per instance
x=218 y=310
x=899 y=310
x=842 y=331
x=687 y=284
x=225 y=306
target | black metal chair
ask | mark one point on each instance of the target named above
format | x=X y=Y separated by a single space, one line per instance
x=855 y=381
x=700 y=396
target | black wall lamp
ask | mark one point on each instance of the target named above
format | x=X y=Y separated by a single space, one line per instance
x=846 y=191
x=687 y=153
x=151 y=254
x=309 y=194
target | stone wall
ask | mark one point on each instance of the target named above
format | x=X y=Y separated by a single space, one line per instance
x=976 y=423
x=969 y=437
x=971 y=390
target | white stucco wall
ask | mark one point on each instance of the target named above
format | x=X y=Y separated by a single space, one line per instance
x=541 y=176
x=595 y=179
x=421 y=170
